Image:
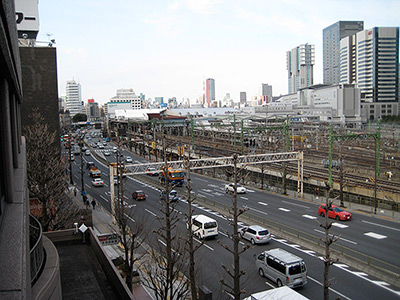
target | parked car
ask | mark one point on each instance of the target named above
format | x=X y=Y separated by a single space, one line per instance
x=138 y=195
x=335 y=212
x=255 y=234
x=230 y=188
x=98 y=182
x=107 y=153
x=173 y=196
x=128 y=159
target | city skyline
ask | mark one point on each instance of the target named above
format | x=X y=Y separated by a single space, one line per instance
x=167 y=49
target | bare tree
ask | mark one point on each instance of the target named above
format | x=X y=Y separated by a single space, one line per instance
x=329 y=239
x=46 y=173
x=235 y=273
x=130 y=236
x=166 y=272
x=190 y=248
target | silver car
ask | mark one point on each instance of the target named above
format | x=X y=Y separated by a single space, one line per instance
x=255 y=234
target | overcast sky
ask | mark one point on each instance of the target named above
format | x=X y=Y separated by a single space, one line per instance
x=167 y=48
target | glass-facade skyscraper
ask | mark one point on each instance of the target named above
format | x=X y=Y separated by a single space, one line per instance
x=370 y=59
x=210 y=91
x=331 y=47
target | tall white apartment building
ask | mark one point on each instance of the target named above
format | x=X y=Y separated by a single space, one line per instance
x=300 y=65
x=127 y=96
x=73 y=97
x=370 y=59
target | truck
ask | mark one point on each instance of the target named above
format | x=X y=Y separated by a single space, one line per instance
x=175 y=177
x=77 y=150
x=94 y=172
x=279 y=293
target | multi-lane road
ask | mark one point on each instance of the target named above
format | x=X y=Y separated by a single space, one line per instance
x=375 y=237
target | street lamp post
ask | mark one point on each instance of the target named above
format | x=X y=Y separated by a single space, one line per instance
x=82 y=171
x=70 y=162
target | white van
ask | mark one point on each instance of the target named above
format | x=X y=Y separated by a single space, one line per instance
x=282 y=267
x=204 y=227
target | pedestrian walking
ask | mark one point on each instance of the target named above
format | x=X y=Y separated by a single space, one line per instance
x=94 y=204
x=87 y=204
x=75 y=191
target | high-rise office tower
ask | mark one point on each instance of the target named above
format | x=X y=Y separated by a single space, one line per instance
x=74 y=101
x=210 y=91
x=370 y=58
x=331 y=47
x=243 y=98
x=264 y=93
x=300 y=65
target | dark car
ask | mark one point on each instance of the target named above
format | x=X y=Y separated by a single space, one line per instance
x=138 y=195
x=335 y=212
x=173 y=196
x=89 y=165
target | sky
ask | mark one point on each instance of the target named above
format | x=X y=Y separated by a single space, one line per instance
x=167 y=49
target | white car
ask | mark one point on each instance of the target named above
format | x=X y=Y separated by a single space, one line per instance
x=255 y=234
x=128 y=159
x=230 y=188
x=87 y=152
x=97 y=182
x=107 y=153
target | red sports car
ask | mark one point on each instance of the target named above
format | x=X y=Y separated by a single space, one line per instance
x=335 y=212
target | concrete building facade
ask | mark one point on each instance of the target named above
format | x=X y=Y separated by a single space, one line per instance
x=73 y=97
x=370 y=58
x=300 y=66
x=331 y=47
x=127 y=96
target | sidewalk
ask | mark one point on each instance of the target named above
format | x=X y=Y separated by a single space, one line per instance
x=102 y=223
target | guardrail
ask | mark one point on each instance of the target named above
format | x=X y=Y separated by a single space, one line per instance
x=356 y=259
x=36 y=248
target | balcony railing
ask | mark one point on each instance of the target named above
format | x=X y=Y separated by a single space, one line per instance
x=36 y=248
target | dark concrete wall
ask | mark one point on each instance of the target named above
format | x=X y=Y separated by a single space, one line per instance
x=39 y=84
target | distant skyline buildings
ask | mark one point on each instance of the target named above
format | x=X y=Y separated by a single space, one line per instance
x=210 y=91
x=331 y=47
x=300 y=66
x=73 y=97
x=264 y=93
x=370 y=59
x=127 y=96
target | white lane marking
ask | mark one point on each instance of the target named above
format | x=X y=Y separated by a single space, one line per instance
x=204 y=244
x=218 y=194
x=76 y=176
x=340 y=294
x=250 y=191
x=376 y=282
x=339 y=225
x=375 y=235
x=284 y=209
x=388 y=227
x=309 y=217
x=341 y=239
x=101 y=196
x=88 y=186
x=214 y=186
x=150 y=212
x=262 y=203
x=244 y=198
x=130 y=218
x=287 y=202
x=201 y=179
x=206 y=190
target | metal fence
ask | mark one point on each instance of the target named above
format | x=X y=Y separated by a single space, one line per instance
x=37 y=253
